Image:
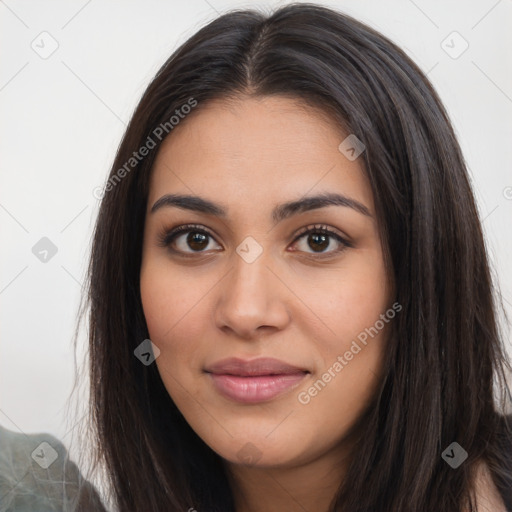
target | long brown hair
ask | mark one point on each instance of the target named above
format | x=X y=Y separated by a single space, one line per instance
x=445 y=364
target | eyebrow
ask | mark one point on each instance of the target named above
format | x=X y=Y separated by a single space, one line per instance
x=279 y=213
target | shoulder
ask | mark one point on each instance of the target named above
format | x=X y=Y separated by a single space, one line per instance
x=487 y=496
x=37 y=474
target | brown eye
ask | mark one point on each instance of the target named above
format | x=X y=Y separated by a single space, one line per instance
x=196 y=240
x=318 y=242
x=319 y=239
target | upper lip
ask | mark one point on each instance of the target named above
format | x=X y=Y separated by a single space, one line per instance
x=254 y=367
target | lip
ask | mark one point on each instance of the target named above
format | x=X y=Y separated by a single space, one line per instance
x=256 y=380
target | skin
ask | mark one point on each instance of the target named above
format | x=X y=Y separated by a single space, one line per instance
x=488 y=498
x=290 y=303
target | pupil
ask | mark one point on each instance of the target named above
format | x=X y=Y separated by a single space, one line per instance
x=316 y=238
x=197 y=238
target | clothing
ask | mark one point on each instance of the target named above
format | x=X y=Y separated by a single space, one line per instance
x=36 y=475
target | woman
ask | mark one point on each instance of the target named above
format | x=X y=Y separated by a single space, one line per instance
x=291 y=304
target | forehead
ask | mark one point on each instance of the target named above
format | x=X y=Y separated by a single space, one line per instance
x=257 y=151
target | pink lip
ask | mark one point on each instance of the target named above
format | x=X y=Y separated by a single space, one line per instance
x=254 y=381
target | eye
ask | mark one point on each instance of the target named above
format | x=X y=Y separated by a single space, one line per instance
x=196 y=239
x=319 y=238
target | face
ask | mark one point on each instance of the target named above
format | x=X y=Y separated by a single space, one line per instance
x=252 y=277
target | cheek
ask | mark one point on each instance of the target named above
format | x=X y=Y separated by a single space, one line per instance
x=349 y=360
x=348 y=301
x=170 y=300
x=169 y=304
x=351 y=350
x=171 y=308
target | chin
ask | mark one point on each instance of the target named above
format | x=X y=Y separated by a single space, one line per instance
x=259 y=451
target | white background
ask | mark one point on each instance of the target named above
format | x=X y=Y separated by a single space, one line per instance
x=63 y=117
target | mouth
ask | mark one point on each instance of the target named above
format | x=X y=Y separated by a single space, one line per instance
x=255 y=381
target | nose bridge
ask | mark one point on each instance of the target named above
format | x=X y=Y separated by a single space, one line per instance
x=250 y=296
x=249 y=280
x=250 y=272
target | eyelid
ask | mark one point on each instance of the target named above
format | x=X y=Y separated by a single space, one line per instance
x=321 y=228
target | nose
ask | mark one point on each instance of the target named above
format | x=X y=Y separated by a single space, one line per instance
x=251 y=300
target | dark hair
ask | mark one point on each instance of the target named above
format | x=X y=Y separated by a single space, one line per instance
x=444 y=377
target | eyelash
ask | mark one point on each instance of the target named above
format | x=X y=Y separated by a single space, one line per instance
x=166 y=237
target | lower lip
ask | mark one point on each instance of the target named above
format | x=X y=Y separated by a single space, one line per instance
x=252 y=390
